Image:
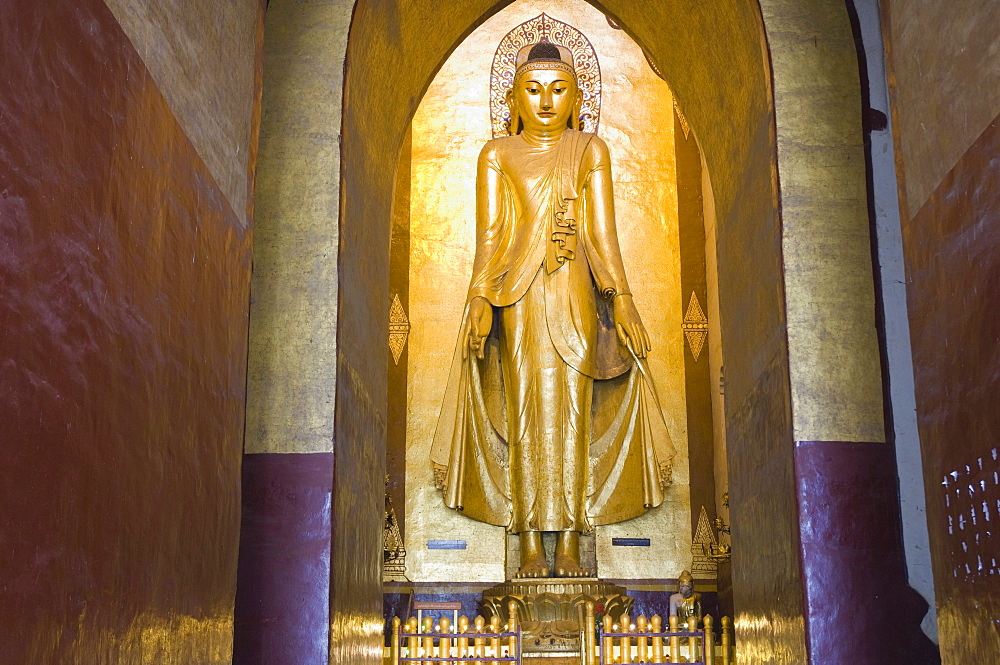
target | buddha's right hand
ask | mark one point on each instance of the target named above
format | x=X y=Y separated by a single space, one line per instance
x=477 y=326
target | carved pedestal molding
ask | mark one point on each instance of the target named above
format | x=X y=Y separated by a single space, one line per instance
x=550 y=608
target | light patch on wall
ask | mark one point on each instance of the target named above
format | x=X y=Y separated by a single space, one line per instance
x=449 y=129
x=972 y=504
x=207 y=81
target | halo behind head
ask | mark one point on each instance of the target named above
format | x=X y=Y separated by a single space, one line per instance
x=574 y=48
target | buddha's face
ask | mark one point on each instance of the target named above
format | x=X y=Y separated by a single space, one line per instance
x=687 y=590
x=545 y=99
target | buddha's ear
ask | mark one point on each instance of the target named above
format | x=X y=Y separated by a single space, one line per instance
x=575 y=121
x=515 y=116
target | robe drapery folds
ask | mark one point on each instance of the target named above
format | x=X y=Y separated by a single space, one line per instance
x=558 y=427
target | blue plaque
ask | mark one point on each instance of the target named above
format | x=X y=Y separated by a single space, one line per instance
x=446 y=544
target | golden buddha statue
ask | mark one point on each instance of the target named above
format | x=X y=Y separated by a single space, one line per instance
x=686 y=603
x=550 y=422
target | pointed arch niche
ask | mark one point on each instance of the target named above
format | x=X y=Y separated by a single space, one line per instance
x=448 y=130
x=801 y=357
x=771 y=91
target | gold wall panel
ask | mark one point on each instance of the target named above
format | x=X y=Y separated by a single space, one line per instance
x=291 y=383
x=716 y=359
x=834 y=365
x=449 y=129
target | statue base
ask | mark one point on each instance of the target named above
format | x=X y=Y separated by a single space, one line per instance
x=551 y=609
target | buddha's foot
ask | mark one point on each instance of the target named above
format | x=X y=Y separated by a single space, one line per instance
x=534 y=568
x=569 y=567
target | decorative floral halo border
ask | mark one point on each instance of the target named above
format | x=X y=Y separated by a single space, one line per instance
x=532 y=31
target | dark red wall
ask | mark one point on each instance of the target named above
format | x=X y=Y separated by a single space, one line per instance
x=952 y=249
x=125 y=277
x=283 y=589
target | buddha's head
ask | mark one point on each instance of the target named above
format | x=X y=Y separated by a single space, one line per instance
x=686 y=584
x=546 y=96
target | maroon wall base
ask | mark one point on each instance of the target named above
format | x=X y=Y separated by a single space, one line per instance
x=283 y=587
x=859 y=608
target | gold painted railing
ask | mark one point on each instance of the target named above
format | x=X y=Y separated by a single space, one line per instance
x=645 y=642
x=475 y=642
x=469 y=643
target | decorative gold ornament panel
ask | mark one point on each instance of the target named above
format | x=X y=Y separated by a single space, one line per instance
x=695 y=326
x=704 y=566
x=399 y=328
x=393 y=550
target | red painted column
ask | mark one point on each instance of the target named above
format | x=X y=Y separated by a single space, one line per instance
x=283 y=591
x=858 y=605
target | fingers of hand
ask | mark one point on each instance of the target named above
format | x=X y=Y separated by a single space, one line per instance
x=644 y=341
x=622 y=336
x=637 y=342
x=476 y=343
x=640 y=342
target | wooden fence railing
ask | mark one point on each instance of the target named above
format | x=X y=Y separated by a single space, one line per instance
x=646 y=642
x=475 y=642
x=469 y=643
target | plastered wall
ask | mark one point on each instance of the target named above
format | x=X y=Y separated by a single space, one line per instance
x=198 y=55
x=292 y=518
x=125 y=272
x=945 y=105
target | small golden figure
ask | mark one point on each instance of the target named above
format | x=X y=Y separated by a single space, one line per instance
x=550 y=421
x=686 y=604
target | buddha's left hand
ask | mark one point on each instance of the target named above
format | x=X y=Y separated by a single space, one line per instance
x=629 y=326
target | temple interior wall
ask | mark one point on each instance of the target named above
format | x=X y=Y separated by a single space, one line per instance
x=165 y=97
x=284 y=583
x=125 y=273
x=937 y=123
x=945 y=99
x=202 y=58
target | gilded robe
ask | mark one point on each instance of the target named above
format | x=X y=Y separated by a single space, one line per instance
x=558 y=427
